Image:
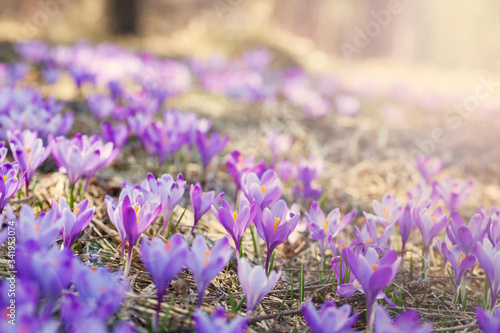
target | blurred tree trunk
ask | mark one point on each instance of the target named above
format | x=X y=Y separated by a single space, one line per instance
x=123 y=16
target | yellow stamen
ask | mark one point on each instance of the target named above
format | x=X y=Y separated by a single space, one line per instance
x=470 y=227
x=137 y=207
x=263 y=188
x=276 y=223
x=240 y=162
x=28 y=150
x=4 y=178
x=374 y=267
x=368 y=242
x=76 y=211
x=207 y=253
x=461 y=257
x=202 y=193
x=325 y=227
x=168 y=245
x=433 y=219
x=341 y=246
x=386 y=211
x=235 y=215
x=38 y=227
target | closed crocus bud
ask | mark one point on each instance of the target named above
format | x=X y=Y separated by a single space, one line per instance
x=429 y=167
x=208 y=147
x=202 y=201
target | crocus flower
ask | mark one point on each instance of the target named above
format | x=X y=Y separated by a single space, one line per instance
x=408 y=320
x=275 y=226
x=387 y=212
x=368 y=236
x=494 y=229
x=279 y=144
x=467 y=235
x=423 y=194
x=42 y=230
x=163 y=262
x=107 y=153
x=306 y=174
x=238 y=165
x=406 y=224
x=454 y=192
x=202 y=201
x=73 y=222
x=117 y=134
x=372 y=272
x=235 y=222
x=323 y=229
x=75 y=156
x=28 y=150
x=488 y=322
x=429 y=167
x=100 y=293
x=488 y=256
x=429 y=224
x=50 y=269
x=9 y=183
x=218 y=322
x=205 y=263
x=169 y=191
x=266 y=190
x=255 y=283
x=131 y=220
x=329 y=318
x=459 y=260
x=210 y=146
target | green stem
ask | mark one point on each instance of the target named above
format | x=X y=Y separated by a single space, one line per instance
x=71 y=195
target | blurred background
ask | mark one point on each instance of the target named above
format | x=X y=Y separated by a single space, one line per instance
x=433 y=55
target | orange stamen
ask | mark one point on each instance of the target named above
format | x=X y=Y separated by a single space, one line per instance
x=325 y=226
x=276 y=223
x=368 y=242
x=207 y=253
x=374 y=267
x=5 y=178
x=76 y=211
x=168 y=245
x=38 y=227
x=28 y=150
x=461 y=257
x=235 y=215
x=240 y=162
x=386 y=211
x=137 y=207
x=341 y=246
x=263 y=188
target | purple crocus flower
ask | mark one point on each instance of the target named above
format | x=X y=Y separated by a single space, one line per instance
x=368 y=236
x=306 y=173
x=169 y=191
x=494 y=229
x=75 y=156
x=266 y=190
x=9 y=183
x=107 y=153
x=429 y=167
x=236 y=223
x=387 y=212
x=453 y=192
x=324 y=230
x=28 y=150
x=210 y=146
x=50 y=269
x=406 y=224
x=43 y=230
x=423 y=194
x=238 y=165
x=488 y=322
x=255 y=283
x=275 y=226
x=467 y=235
x=117 y=134
x=218 y=322
x=100 y=294
x=205 y=263
x=429 y=224
x=459 y=260
x=329 y=318
x=202 y=201
x=488 y=256
x=279 y=144
x=408 y=320
x=373 y=273
x=163 y=262
x=73 y=222
x=131 y=220
x=102 y=106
